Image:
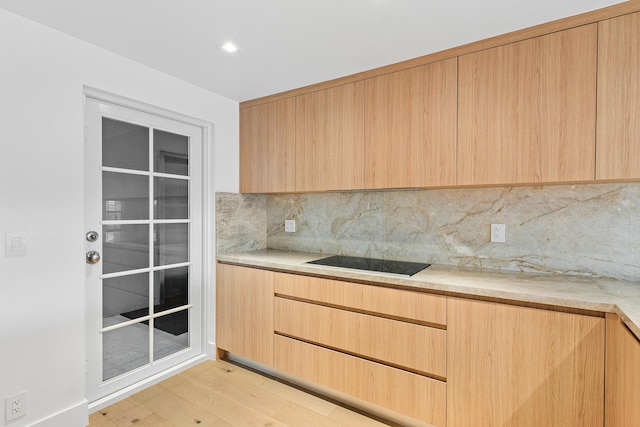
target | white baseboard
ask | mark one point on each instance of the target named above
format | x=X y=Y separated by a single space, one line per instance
x=75 y=416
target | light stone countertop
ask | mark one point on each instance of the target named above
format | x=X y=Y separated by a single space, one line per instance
x=587 y=293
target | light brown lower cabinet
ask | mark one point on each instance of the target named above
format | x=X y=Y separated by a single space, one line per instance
x=384 y=346
x=414 y=395
x=512 y=366
x=446 y=361
x=622 y=405
x=394 y=303
x=244 y=312
x=422 y=349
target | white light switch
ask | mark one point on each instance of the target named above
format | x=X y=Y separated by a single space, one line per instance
x=289 y=225
x=15 y=244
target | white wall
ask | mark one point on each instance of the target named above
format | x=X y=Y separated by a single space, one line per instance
x=42 y=73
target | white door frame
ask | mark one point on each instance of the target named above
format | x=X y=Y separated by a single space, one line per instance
x=208 y=241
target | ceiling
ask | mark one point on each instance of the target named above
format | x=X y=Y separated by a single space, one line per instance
x=284 y=44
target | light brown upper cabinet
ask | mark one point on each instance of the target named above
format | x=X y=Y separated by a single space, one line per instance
x=618 y=140
x=330 y=139
x=410 y=127
x=527 y=110
x=267 y=147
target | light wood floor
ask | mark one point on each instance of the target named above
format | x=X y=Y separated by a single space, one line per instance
x=221 y=394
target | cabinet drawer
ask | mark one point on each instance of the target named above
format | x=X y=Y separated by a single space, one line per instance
x=426 y=308
x=410 y=394
x=416 y=347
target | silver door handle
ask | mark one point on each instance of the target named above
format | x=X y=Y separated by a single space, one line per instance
x=93 y=257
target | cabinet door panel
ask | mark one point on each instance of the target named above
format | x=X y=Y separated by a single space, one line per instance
x=411 y=127
x=330 y=139
x=244 y=312
x=517 y=366
x=623 y=375
x=527 y=110
x=267 y=147
x=618 y=141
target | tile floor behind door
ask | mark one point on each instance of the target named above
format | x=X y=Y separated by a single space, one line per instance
x=127 y=348
x=221 y=394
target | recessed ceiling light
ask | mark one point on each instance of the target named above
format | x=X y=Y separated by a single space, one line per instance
x=229 y=47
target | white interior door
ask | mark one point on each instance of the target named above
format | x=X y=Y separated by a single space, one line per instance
x=143 y=200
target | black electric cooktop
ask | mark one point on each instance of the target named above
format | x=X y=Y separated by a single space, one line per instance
x=372 y=264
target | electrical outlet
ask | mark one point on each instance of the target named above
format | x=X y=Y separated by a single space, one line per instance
x=16 y=406
x=498 y=233
x=289 y=225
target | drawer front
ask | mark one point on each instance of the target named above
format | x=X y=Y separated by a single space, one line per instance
x=416 y=347
x=409 y=394
x=401 y=303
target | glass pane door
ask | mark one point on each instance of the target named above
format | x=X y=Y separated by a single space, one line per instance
x=143 y=296
x=145 y=224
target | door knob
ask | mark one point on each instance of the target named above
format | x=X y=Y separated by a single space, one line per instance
x=93 y=257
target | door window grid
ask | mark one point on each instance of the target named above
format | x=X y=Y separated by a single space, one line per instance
x=112 y=224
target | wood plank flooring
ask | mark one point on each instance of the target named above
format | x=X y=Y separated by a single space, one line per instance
x=221 y=394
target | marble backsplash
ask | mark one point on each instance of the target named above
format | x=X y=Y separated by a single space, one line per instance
x=589 y=229
x=241 y=222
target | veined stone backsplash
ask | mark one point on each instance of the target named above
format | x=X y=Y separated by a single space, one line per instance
x=241 y=222
x=591 y=229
